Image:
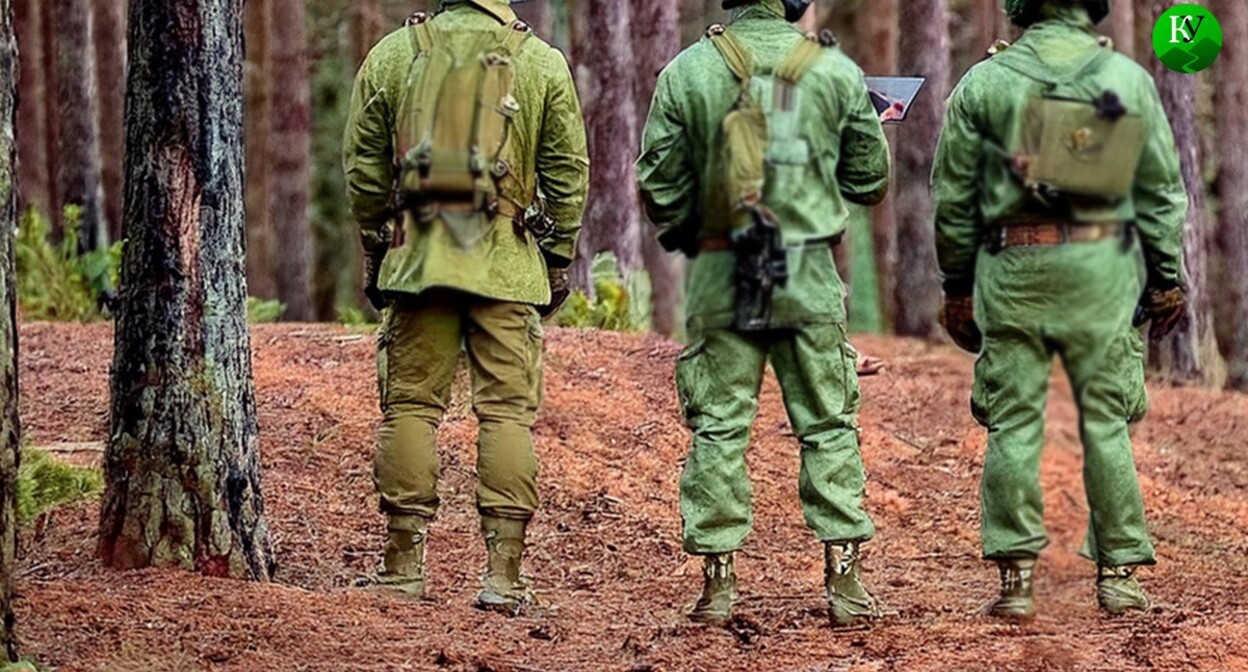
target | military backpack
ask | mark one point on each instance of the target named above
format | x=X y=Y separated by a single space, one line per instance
x=454 y=126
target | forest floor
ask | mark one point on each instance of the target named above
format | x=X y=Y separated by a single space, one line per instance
x=605 y=552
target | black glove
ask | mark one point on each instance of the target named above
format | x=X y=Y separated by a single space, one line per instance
x=958 y=318
x=560 y=290
x=1164 y=307
x=372 y=276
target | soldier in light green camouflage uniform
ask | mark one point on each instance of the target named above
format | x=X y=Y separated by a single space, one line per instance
x=831 y=150
x=465 y=282
x=1041 y=254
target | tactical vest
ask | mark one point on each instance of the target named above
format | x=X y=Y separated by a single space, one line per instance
x=764 y=154
x=1077 y=140
x=454 y=126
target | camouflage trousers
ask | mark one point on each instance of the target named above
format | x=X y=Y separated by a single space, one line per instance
x=719 y=377
x=1074 y=302
x=419 y=351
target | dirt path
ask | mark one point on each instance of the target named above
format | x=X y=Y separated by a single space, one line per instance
x=606 y=552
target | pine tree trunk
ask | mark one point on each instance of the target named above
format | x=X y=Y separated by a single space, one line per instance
x=260 y=273
x=32 y=116
x=80 y=177
x=366 y=29
x=539 y=16
x=1120 y=25
x=1231 y=103
x=611 y=222
x=10 y=427
x=51 y=109
x=656 y=40
x=991 y=24
x=110 y=69
x=182 y=465
x=290 y=148
x=878 y=36
x=1187 y=354
x=925 y=50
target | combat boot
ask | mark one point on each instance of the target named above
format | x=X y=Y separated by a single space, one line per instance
x=719 y=590
x=403 y=564
x=848 y=600
x=1118 y=592
x=502 y=588
x=1017 y=601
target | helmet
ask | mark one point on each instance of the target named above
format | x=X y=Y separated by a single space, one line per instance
x=1026 y=12
x=794 y=10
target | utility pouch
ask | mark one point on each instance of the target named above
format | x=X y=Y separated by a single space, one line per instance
x=761 y=267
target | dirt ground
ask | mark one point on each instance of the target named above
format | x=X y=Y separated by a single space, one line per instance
x=606 y=556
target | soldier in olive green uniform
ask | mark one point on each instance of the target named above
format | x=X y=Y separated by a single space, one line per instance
x=1040 y=222
x=469 y=281
x=826 y=148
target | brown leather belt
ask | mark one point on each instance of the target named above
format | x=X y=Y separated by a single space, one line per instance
x=724 y=244
x=1038 y=233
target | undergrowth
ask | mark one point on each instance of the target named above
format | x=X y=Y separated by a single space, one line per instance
x=44 y=483
x=55 y=282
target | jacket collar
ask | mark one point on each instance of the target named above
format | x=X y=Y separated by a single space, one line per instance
x=499 y=9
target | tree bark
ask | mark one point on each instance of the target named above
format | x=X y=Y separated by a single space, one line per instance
x=538 y=15
x=1231 y=103
x=656 y=35
x=10 y=426
x=260 y=274
x=878 y=33
x=1120 y=25
x=606 y=55
x=32 y=115
x=182 y=464
x=925 y=50
x=366 y=29
x=110 y=70
x=80 y=176
x=1186 y=355
x=290 y=148
x=991 y=24
x=51 y=108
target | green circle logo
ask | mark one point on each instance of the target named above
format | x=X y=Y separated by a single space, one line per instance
x=1187 y=38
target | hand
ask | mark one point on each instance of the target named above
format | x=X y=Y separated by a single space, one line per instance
x=372 y=277
x=958 y=318
x=560 y=290
x=1164 y=308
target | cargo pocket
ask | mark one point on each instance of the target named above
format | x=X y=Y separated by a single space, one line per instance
x=691 y=378
x=982 y=390
x=385 y=338
x=536 y=349
x=1134 y=391
x=853 y=392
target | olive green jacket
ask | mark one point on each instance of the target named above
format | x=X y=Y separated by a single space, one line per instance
x=681 y=168
x=547 y=150
x=972 y=182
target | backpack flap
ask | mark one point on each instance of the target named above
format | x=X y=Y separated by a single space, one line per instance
x=1074 y=149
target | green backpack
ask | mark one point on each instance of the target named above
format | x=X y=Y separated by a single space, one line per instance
x=454 y=126
x=1077 y=141
x=762 y=141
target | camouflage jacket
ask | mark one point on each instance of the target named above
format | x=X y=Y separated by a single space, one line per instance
x=682 y=164
x=972 y=181
x=547 y=148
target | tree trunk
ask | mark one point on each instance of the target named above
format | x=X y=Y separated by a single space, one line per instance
x=877 y=31
x=1231 y=103
x=260 y=274
x=606 y=54
x=656 y=35
x=51 y=108
x=79 y=174
x=10 y=426
x=182 y=465
x=366 y=29
x=32 y=117
x=991 y=24
x=110 y=70
x=1187 y=354
x=539 y=16
x=925 y=50
x=290 y=148
x=1120 y=25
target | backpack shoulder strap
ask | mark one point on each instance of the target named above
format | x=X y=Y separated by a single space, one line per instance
x=421 y=33
x=1032 y=69
x=511 y=37
x=800 y=60
x=735 y=54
